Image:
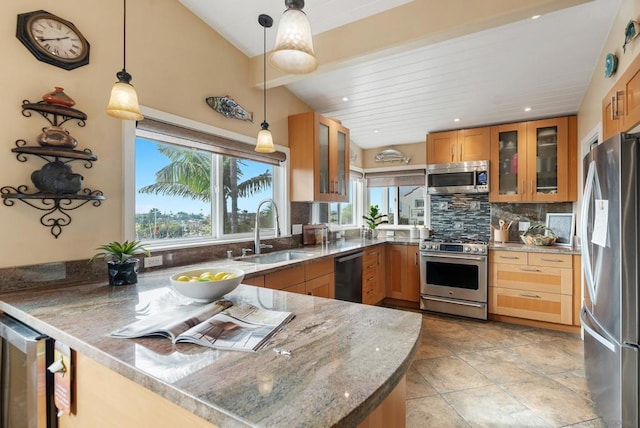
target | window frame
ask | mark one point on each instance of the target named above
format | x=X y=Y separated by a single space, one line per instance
x=280 y=184
x=387 y=202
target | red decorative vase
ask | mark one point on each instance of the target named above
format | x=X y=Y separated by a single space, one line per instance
x=58 y=97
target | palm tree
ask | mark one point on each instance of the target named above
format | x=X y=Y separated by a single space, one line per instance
x=188 y=175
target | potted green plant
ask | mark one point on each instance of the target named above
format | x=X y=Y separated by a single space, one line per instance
x=122 y=266
x=374 y=218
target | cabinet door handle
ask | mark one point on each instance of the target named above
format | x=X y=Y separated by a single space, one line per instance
x=523 y=188
x=532 y=181
x=530 y=269
x=453 y=153
x=534 y=296
x=415 y=258
x=615 y=113
x=460 y=153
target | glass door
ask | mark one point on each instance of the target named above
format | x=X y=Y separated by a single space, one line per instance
x=508 y=163
x=548 y=163
x=324 y=176
x=547 y=160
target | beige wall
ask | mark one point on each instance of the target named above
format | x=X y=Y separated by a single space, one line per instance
x=176 y=61
x=590 y=113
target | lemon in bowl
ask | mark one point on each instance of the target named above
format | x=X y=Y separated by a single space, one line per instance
x=207 y=284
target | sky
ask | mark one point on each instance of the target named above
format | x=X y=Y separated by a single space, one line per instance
x=149 y=160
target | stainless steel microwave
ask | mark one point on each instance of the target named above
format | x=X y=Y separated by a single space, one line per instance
x=458 y=177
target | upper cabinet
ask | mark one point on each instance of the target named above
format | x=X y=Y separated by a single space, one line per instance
x=534 y=161
x=458 y=146
x=621 y=106
x=319 y=151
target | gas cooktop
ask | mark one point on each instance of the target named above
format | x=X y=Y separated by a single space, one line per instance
x=454 y=245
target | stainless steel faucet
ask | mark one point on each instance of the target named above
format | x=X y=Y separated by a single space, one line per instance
x=257 y=244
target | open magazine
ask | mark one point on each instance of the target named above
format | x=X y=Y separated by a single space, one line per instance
x=220 y=324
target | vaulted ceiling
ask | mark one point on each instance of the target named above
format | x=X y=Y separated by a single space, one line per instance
x=409 y=68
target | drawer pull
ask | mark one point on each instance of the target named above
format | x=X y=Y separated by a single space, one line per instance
x=530 y=269
x=373 y=278
x=371 y=266
x=552 y=260
x=370 y=291
x=534 y=296
x=510 y=257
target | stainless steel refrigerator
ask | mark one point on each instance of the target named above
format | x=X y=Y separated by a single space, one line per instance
x=610 y=232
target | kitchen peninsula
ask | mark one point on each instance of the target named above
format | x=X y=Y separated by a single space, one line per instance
x=345 y=359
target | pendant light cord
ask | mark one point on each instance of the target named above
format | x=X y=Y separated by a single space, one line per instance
x=264 y=71
x=124 y=38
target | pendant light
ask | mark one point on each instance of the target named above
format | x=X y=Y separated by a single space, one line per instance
x=123 y=103
x=293 y=50
x=264 y=143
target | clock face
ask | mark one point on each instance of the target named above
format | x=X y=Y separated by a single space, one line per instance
x=52 y=39
x=56 y=38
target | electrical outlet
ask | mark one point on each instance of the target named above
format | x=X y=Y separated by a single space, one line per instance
x=458 y=225
x=474 y=205
x=523 y=226
x=152 y=261
x=296 y=229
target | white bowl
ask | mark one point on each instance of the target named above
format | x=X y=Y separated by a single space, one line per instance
x=207 y=290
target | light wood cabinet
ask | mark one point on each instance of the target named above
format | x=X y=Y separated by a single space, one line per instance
x=459 y=146
x=373 y=280
x=536 y=286
x=104 y=398
x=621 y=106
x=534 y=161
x=319 y=152
x=315 y=278
x=403 y=272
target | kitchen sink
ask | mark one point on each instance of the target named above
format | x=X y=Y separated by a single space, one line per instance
x=280 y=256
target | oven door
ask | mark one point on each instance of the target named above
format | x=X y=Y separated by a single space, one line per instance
x=454 y=276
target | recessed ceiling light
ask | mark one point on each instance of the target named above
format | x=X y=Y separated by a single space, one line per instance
x=375 y=131
x=345 y=99
x=528 y=109
x=535 y=17
x=457 y=119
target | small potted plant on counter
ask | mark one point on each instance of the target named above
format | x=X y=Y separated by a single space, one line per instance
x=122 y=265
x=374 y=218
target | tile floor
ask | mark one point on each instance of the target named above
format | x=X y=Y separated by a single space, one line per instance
x=470 y=373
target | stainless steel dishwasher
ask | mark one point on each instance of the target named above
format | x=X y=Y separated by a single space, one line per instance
x=348 y=277
x=26 y=386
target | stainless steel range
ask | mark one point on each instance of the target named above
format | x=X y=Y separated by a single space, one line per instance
x=454 y=276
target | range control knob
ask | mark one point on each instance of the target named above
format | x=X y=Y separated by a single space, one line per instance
x=475 y=249
x=467 y=249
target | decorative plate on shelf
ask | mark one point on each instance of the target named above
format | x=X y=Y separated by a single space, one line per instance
x=610 y=65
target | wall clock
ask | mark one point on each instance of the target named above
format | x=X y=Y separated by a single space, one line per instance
x=52 y=39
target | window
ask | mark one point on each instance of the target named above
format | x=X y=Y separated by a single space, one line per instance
x=399 y=194
x=342 y=213
x=186 y=191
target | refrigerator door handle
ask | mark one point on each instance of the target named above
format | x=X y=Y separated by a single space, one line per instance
x=591 y=179
x=586 y=325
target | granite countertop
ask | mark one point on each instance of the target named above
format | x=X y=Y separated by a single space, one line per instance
x=345 y=357
x=315 y=252
x=513 y=246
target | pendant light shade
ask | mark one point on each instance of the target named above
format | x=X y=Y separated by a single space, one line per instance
x=123 y=103
x=264 y=143
x=293 y=50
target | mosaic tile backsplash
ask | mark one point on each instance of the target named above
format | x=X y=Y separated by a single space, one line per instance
x=461 y=216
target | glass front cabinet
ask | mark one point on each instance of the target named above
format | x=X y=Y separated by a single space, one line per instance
x=534 y=161
x=319 y=151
